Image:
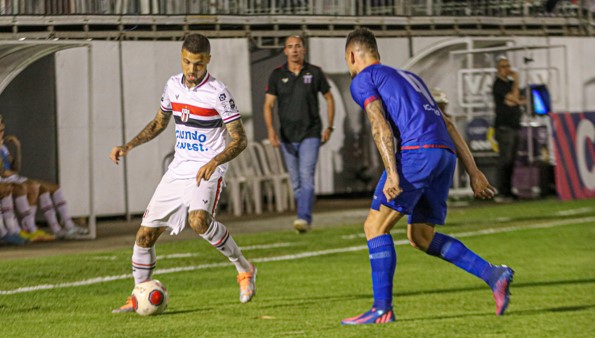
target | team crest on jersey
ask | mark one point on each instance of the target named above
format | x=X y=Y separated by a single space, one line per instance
x=222 y=97
x=185 y=114
x=285 y=79
x=308 y=78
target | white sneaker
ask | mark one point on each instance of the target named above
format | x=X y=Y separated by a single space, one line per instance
x=81 y=231
x=72 y=233
x=301 y=226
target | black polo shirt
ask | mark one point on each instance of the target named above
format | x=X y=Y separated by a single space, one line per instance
x=297 y=98
x=506 y=116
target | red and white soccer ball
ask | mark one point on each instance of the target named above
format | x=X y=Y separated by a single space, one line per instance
x=150 y=298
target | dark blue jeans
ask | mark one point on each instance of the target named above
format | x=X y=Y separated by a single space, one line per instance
x=301 y=158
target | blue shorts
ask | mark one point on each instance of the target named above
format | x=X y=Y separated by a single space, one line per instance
x=425 y=177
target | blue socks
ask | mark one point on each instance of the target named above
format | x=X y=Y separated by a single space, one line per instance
x=383 y=260
x=452 y=250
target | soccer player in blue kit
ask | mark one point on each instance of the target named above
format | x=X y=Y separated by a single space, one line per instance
x=418 y=173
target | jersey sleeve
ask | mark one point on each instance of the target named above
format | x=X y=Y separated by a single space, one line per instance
x=226 y=106
x=165 y=100
x=272 y=84
x=323 y=84
x=363 y=90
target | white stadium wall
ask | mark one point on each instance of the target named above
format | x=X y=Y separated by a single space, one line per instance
x=146 y=67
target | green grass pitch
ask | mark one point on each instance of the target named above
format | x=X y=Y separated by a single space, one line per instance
x=307 y=284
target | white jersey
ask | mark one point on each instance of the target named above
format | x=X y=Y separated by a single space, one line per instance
x=200 y=114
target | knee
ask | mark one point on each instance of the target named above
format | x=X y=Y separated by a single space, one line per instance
x=371 y=229
x=18 y=189
x=32 y=186
x=43 y=189
x=5 y=190
x=420 y=238
x=199 y=221
x=146 y=237
x=415 y=240
x=48 y=187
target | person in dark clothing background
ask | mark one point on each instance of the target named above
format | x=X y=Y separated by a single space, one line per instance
x=507 y=124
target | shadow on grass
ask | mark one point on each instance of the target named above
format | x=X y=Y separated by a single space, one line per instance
x=509 y=313
x=181 y=312
x=513 y=286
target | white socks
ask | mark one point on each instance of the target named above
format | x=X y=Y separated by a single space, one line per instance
x=26 y=212
x=143 y=263
x=60 y=204
x=220 y=238
x=10 y=220
x=3 y=231
x=49 y=213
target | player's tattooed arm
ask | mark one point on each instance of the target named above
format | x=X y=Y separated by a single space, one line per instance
x=154 y=128
x=238 y=143
x=384 y=139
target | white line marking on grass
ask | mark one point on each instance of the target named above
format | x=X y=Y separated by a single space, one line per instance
x=178 y=255
x=267 y=246
x=571 y=212
x=105 y=258
x=363 y=235
x=290 y=257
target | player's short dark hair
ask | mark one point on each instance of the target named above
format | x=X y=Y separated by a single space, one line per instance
x=297 y=36
x=365 y=38
x=197 y=43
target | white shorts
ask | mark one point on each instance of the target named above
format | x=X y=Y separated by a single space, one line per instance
x=14 y=179
x=174 y=198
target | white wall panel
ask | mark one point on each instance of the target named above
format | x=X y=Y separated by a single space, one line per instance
x=146 y=70
x=73 y=123
x=107 y=128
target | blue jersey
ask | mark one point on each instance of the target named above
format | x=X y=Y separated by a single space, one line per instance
x=411 y=111
x=6 y=165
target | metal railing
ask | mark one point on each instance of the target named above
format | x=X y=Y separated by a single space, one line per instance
x=494 y=8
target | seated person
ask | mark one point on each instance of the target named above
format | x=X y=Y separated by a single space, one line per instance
x=49 y=195
x=10 y=232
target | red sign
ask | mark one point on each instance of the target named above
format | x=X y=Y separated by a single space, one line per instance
x=574 y=141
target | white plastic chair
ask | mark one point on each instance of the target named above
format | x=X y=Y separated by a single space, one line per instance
x=284 y=198
x=257 y=175
x=237 y=187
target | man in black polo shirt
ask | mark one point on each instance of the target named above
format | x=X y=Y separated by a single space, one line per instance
x=507 y=124
x=295 y=85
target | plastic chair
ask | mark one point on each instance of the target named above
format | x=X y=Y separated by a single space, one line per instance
x=237 y=187
x=284 y=198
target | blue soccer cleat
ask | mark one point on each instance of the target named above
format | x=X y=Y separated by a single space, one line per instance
x=501 y=288
x=372 y=316
x=14 y=239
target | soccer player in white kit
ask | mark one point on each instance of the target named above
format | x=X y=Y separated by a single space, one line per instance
x=203 y=110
